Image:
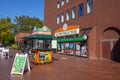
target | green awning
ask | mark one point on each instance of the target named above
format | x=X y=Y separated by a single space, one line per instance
x=75 y=39
x=79 y=38
x=65 y=40
x=38 y=36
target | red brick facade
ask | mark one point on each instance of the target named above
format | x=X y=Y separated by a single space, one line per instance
x=105 y=15
x=19 y=36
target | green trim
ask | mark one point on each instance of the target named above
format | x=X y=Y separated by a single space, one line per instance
x=41 y=29
x=79 y=38
x=38 y=36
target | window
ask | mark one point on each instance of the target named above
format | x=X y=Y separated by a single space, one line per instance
x=62 y=17
x=73 y=12
x=67 y=1
x=62 y=2
x=80 y=10
x=58 y=19
x=89 y=6
x=58 y=5
x=67 y=15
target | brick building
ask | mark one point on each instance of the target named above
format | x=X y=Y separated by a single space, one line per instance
x=98 y=19
x=19 y=38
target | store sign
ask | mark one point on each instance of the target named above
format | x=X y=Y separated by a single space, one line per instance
x=54 y=44
x=68 y=32
x=41 y=32
x=21 y=62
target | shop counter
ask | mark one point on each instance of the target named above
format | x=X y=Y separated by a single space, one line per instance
x=41 y=55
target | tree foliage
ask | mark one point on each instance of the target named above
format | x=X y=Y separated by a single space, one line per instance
x=26 y=23
x=21 y=24
x=6 y=35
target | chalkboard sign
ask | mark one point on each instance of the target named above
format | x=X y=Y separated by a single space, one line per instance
x=20 y=62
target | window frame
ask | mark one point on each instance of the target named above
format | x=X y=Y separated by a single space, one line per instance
x=62 y=2
x=67 y=1
x=62 y=17
x=80 y=12
x=73 y=12
x=89 y=6
x=58 y=5
x=67 y=15
x=58 y=19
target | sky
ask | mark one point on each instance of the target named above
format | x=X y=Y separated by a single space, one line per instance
x=31 y=8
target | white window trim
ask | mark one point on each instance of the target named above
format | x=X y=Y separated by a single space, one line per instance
x=67 y=1
x=89 y=10
x=73 y=13
x=58 y=5
x=62 y=2
x=62 y=17
x=58 y=19
x=67 y=15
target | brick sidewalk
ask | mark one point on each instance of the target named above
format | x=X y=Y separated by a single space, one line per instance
x=64 y=67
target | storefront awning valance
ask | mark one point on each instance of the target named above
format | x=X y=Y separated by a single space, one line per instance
x=67 y=30
x=38 y=36
x=78 y=39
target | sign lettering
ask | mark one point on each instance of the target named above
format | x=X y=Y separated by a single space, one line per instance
x=69 y=32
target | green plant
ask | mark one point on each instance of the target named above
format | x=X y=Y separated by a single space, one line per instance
x=14 y=46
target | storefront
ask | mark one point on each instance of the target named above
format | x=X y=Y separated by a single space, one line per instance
x=40 y=45
x=70 y=42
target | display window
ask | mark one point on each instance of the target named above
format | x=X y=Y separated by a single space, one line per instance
x=69 y=48
x=72 y=48
x=39 y=43
x=78 y=49
x=62 y=48
x=59 y=48
x=84 y=51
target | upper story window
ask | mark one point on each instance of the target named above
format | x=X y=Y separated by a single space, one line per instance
x=62 y=17
x=67 y=1
x=73 y=12
x=80 y=9
x=67 y=15
x=89 y=6
x=58 y=5
x=62 y=3
x=58 y=19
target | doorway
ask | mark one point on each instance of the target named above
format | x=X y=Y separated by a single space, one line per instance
x=111 y=44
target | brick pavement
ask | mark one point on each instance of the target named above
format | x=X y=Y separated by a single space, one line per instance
x=64 y=67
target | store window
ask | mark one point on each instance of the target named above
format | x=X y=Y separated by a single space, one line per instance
x=62 y=17
x=89 y=6
x=67 y=15
x=39 y=43
x=58 y=5
x=58 y=19
x=73 y=12
x=67 y=1
x=62 y=2
x=80 y=9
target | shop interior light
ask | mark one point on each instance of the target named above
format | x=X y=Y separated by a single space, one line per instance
x=85 y=37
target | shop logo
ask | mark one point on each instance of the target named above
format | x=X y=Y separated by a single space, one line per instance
x=44 y=28
x=65 y=26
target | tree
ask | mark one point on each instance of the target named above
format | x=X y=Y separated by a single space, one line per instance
x=26 y=24
x=6 y=27
x=21 y=24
